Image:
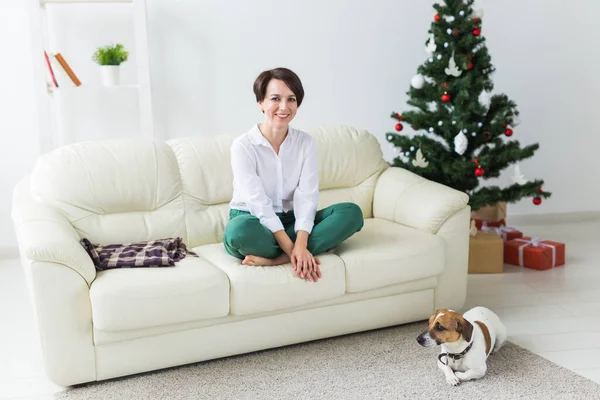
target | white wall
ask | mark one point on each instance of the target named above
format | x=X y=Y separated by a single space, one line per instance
x=18 y=129
x=355 y=59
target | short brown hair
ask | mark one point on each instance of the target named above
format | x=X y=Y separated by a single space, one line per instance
x=283 y=74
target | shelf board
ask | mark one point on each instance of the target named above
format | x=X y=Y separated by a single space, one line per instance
x=44 y=2
x=84 y=88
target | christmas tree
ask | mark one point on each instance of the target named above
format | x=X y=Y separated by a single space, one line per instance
x=461 y=129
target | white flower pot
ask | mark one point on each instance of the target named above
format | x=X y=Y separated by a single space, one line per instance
x=110 y=75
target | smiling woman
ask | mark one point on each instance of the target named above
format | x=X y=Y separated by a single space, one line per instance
x=273 y=216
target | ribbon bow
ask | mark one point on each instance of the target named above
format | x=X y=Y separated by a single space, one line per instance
x=501 y=230
x=535 y=242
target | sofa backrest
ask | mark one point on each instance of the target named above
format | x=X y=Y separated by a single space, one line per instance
x=129 y=190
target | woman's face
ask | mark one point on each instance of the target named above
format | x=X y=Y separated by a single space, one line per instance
x=280 y=104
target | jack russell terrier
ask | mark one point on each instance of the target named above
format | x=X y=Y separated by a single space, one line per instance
x=466 y=341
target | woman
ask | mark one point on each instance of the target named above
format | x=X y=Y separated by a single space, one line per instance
x=273 y=216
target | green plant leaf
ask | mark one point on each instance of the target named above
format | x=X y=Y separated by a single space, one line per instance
x=110 y=55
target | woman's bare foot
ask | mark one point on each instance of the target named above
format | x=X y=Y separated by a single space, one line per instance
x=266 y=262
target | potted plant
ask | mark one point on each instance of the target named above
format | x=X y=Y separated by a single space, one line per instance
x=110 y=58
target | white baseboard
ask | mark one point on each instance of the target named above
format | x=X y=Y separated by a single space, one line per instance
x=556 y=218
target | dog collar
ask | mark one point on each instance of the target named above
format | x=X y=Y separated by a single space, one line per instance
x=454 y=356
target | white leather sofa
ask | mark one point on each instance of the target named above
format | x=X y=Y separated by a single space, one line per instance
x=409 y=259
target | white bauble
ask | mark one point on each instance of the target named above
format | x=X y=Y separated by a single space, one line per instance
x=417 y=81
x=460 y=143
x=485 y=99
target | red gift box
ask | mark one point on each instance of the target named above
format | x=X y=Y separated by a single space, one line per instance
x=534 y=253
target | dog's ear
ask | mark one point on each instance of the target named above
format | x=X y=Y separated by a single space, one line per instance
x=465 y=328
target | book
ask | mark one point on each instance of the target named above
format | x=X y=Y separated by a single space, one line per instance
x=67 y=69
x=50 y=70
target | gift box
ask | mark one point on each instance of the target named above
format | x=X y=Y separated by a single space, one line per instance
x=505 y=232
x=480 y=223
x=486 y=251
x=534 y=253
x=491 y=212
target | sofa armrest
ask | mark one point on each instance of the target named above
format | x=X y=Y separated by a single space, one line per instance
x=408 y=199
x=45 y=235
x=451 y=290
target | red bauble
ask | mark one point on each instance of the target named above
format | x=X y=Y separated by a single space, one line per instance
x=479 y=171
x=437 y=17
x=445 y=97
x=476 y=31
x=537 y=201
x=399 y=127
x=470 y=65
x=508 y=132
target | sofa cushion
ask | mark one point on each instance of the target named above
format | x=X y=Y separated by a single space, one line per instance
x=114 y=191
x=386 y=253
x=135 y=298
x=264 y=289
x=349 y=162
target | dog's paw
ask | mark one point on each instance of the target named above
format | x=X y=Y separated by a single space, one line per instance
x=452 y=379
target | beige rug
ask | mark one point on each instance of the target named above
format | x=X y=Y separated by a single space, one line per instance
x=382 y=364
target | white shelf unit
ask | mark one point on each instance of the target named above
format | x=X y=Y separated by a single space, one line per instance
x=68 y=113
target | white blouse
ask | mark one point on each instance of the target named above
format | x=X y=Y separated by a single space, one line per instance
x=265 y=183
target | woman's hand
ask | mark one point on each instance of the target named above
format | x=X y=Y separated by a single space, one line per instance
x=306 y=266
x=284 y=241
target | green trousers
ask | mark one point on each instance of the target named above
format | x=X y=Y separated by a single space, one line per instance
x=245 y=235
